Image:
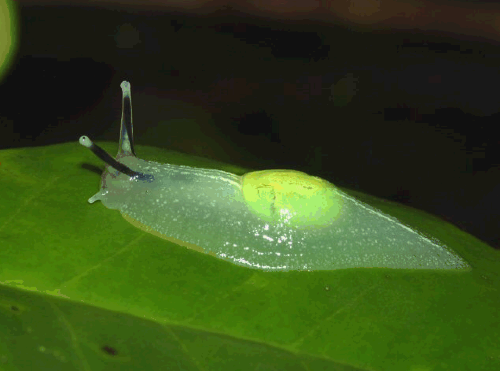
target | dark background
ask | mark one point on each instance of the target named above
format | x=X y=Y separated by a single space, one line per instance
x=407 y=115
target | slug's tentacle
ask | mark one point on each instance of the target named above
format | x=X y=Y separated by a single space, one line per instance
x=103 y=155
x=126 y=145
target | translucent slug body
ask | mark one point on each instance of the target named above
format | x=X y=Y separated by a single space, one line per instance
x=271 y=220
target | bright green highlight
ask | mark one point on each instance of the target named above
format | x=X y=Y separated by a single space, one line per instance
x=292 y=197
x=8 y=35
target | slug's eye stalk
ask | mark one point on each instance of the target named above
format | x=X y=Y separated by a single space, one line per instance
x=103 y=155
x=126 y=145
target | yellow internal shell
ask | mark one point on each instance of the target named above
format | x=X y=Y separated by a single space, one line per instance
x=292 y=197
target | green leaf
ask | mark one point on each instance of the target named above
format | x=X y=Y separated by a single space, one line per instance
x=82 y=289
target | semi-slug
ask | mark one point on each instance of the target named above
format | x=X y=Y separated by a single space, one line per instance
x=271 y=220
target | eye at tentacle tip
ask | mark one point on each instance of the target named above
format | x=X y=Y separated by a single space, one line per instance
x=125 y=85
x=85 y=141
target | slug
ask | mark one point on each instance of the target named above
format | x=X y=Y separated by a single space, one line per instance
x=273 y=220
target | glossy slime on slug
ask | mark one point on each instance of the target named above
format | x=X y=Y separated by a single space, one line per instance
x=274 y=220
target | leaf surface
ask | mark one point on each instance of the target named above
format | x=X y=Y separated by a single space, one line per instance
x=82 y=289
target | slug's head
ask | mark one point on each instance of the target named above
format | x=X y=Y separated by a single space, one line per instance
x=292 y=197
x=119 y=175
